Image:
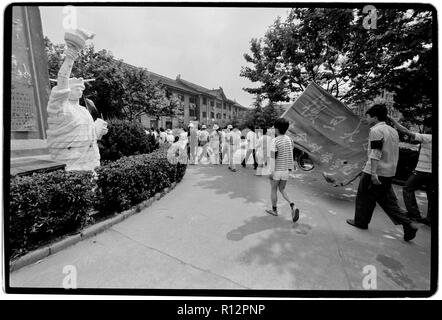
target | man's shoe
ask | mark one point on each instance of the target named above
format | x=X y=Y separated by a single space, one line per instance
x=354 y=224
x=425 y=221
x=409 y=231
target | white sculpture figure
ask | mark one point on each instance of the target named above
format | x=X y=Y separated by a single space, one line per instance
x=72 y=133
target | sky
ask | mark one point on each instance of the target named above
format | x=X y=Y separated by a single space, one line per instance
x=203 y=45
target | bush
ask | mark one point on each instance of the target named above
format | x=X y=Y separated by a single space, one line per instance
x=47 y=205
x=131 y=180
x=125 y=138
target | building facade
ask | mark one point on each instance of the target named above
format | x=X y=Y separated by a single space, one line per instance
x=207 y=106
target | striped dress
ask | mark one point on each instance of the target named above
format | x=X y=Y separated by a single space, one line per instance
x=283 y=147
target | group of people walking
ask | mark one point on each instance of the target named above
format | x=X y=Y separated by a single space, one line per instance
x=223 y=145
x=375 y=185
x=272 y=153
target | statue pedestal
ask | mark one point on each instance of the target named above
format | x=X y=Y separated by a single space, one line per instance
x=29 y=156
x=28 y=165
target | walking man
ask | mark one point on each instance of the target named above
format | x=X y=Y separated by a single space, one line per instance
x=375 y=182
x=281 y=151
x=234 y=143
x=204 y=142
x=421 y=176
x=251 y=146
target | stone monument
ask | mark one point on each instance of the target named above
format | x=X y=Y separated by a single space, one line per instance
x=29 y=88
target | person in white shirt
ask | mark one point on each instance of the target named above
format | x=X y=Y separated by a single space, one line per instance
x=422 y=175
x=203 y=139
x=192 y=144
x=234 y=137
x=214 y=143
x=163 y=135
x=377 y=175
x=226 y=143
x=251 y=146
x=170 y=138
x=263 y=153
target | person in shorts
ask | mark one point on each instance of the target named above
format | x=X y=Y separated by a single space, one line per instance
x=281 y=151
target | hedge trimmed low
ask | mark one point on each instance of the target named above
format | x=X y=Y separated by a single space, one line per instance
x=46 y=206
x=125 y=138
x=131 y=180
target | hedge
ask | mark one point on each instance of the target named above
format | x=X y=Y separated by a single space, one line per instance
x=125 y=138
x=46 y=206
x=131 y=180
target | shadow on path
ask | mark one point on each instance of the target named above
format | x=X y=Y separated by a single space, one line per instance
x=237 y=185
x=262 y=223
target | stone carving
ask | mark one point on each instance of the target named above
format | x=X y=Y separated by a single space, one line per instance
x=72 y=133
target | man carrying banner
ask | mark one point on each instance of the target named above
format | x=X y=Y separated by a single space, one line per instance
x=375 y=182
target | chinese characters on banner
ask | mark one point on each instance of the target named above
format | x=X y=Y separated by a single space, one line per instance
x=333 y=136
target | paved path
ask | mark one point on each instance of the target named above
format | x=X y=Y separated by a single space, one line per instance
x=211 y=232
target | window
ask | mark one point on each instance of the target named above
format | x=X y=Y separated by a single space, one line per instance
x=224 y=116
x=230 y=118
x=153 y=124
x=192 y=112
x=191 y=99
x=218 y=115
x=204 y=114
x=218 y=105
x=168 y=124
x=230 y=108
x=212 y=115
x=167 y=94
x=181 y=96
x=212 y=103
x=224 y=107
x=204 y=101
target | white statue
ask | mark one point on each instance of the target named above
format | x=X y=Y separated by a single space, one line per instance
x=72 y=133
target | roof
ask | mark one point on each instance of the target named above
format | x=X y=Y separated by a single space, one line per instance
x=188 y=86
x=196 y=87
x=170 y=82
x=164 y=80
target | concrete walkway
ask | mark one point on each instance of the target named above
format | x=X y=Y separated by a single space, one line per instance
x=211 y=232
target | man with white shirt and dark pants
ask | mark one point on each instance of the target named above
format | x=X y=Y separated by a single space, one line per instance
x=421 y=175
x=251 y=146
x=377 y=175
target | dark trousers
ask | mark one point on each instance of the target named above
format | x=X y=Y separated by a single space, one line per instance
x=416 y=181
x=255 y=163
x=369 y=194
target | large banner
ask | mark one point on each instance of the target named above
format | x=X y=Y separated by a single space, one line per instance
x=333 y=136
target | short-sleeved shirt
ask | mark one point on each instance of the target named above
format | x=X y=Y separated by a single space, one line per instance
x=383 y=145
x=424 y=163
x=163 y=136
x=234 y=139
x=204 y=136
x=283 y=147
x=251 y=139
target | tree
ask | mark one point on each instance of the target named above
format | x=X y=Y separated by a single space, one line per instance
x=262 y=117
x=119 y=90
x=332 y=48
x=306 y=47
